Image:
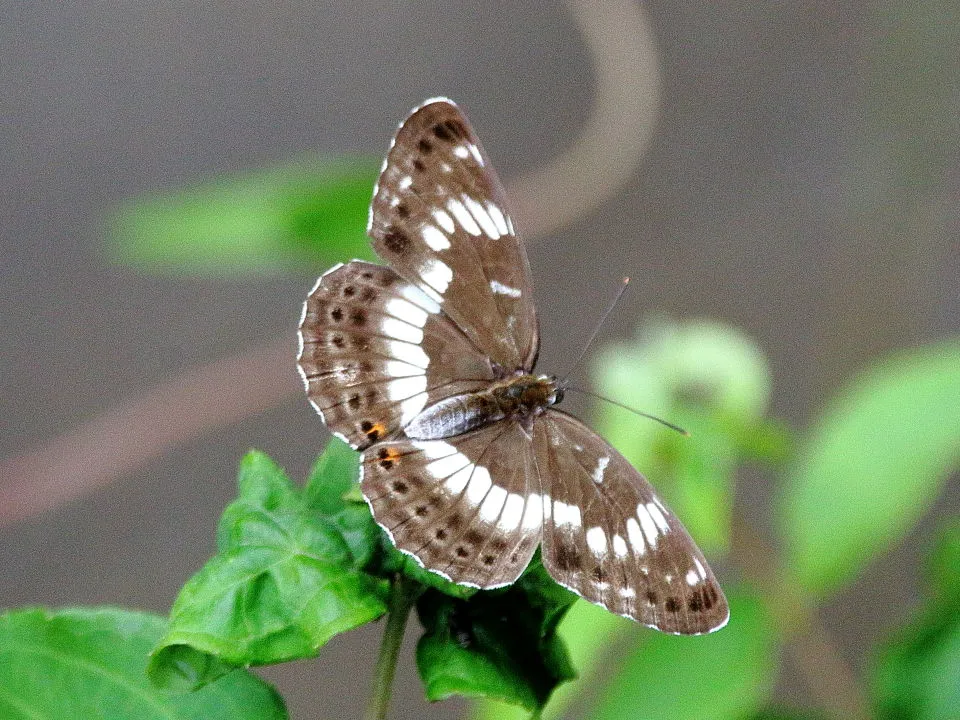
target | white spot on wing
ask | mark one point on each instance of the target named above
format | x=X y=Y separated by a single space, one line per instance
x=533 y=512
x=512 y=514
x=445 y=467
x=444 y=220
x=492 y=504
x=475 y=151
x=500 y=289
x=463 y=217
x=399 y=330
x=481 y=216
x=410 y=354
x=434 y=238
x=597 y=540
x=648 y=526
x=600 y=469
x=435 y=448
x=619 y=546
x=692 y=578
x=497 y=216
x=658 y=517
x=436 y=274
x=413 y=406
x=564 y=514
x=406 y=311
x=628 y=592
x=461 y=152
x=703 y=573
x=405 y=182
x=406 y=387
x=479 y=485
x=635 y=537
x=456 y=483
x=397 y=369
x=419 y=298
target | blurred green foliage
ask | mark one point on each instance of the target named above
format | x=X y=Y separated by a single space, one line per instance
x=304 y=215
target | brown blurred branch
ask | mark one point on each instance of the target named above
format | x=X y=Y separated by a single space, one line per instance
x=140 y=428
x=829 y=678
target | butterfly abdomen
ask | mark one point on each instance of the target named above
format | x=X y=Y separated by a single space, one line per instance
x=520 y=396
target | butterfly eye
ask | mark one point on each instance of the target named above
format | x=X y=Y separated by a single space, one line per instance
x=558 y=396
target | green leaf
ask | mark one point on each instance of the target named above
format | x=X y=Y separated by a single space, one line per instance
x=590 y=633
x=91 y=662
x=500 y=644
x=916 y=670
x=723 y=675
x=312 y=212
x=287 y=578
x=872 y=465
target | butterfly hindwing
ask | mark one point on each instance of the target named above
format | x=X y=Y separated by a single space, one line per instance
x=439 y=218
x=609 y=538
x=376 y=350
x=467 y=507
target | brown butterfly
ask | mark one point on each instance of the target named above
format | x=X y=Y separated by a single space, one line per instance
x=426 y=366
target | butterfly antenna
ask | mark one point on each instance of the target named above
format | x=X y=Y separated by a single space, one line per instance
x=596 y=329
x=627 y=407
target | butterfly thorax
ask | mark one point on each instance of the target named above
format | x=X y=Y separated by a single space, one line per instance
x=520 y=397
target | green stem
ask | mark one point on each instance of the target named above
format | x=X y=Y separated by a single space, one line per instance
x=403 y=594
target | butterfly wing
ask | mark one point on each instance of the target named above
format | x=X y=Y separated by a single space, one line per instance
x=609 y=538
x=467 y=507
x=439 y=218
x=375 y=350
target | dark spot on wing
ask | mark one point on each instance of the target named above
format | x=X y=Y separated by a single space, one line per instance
x=421 y=510
x=396 y=241
x=488 y=559
x=442 y=132
x=672 y=605
x=403 y=211
x=368 y=295
x=338 y=341
x=337 y=314
x=358 y=317
x=349 y=290
x=441 y=534
x=598 y=574
x=354 y=402
x=400 y=487
x=651 y=597
x=418 y=166
x=462 y=552
x=424 y=146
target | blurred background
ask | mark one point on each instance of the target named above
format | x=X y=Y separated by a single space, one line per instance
x=791 y=170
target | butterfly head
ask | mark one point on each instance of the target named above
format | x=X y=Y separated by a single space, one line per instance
x=532 y=393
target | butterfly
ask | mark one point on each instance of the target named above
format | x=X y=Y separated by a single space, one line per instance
x=425 y=365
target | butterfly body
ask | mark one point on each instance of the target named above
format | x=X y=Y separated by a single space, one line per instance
x=426 y=366
x=520 y=398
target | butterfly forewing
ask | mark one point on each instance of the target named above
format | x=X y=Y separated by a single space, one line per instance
x=439 y=217
x=467 y=507
x=376 y=350
x=608 y=537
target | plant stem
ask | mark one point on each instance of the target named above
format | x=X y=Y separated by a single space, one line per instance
x=403 y=594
